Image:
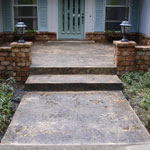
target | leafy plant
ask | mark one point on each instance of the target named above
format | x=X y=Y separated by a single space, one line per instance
x=137 y=90
x=6 y=93
x=110 y=31
x=30 y=31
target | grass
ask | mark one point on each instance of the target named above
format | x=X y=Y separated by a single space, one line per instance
x=137 y=91
x=6 y=108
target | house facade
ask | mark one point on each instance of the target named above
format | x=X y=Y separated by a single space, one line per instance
x=75 y=19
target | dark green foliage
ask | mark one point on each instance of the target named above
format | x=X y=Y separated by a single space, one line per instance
x=30 y=31
x=6 y=93
x=137 y=90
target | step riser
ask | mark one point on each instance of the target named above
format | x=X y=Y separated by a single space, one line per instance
x=76 y=147
x=74 y=87
x=55 y=71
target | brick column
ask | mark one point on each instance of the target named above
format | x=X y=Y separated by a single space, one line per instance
x=5 y=62
x=124 y=56
x=21 y=54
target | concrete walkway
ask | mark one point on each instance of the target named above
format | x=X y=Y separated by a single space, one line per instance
x=70 y=109
x=75 y=118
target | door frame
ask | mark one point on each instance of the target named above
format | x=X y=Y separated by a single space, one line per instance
x=60 y=36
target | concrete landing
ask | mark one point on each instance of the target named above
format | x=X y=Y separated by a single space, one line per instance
x=72 y=58
x=75 y=118
x=73 y=83
x=72 y=55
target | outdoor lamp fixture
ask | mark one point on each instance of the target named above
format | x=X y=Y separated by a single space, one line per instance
x=125 y=27
x=20 y=28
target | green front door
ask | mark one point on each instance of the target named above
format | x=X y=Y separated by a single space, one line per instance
x=71 y=19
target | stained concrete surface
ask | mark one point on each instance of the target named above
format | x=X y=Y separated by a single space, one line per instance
x=72 y=55
x=75 y=118
x=73 y=79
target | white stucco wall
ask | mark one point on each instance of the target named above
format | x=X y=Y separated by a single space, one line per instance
x=1 y=23
x=144 y=26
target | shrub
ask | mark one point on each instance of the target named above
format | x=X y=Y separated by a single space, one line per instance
x=137 y=90
x=6 y=110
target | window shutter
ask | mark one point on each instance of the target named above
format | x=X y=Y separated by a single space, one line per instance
x=99 y=16
x=43 y=15
x=134 y=15
x=7 y=15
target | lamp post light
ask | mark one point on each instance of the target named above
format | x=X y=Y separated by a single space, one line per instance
x=20 y=28
x=125 y=27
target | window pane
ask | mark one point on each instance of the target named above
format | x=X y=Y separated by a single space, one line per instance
x=25 y=11
x=117 y=2
x=117 y=13
x=27 y=14
x=113 y=26
x=16 y=2
x=31 y=23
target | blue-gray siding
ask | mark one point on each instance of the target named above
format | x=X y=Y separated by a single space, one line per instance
x=144 y=17
x=7 y=15
x=1 y=23
x=134 y=15
x=43 y=15
x=99 y=16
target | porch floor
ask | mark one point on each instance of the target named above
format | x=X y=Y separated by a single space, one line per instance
x=72 y=54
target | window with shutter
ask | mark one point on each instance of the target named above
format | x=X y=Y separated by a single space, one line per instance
x=26 y=11
x=116 y=12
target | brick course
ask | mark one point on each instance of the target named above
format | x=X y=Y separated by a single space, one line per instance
x=5 y=62
x=1 y=37
x=142 y=55
x=104 y=37
x=144 y=39
x=21 y=53
x=124 y=56
x=129 y=57
x=15 y=61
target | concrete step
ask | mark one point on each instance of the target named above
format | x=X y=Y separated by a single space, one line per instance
x=143 y=146
x=73 y=83
x=72 y=42
x=75 y=121
x=36 y=70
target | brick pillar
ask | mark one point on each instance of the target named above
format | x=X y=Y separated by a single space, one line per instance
x=21 y=54
x=124 y=56
x=5 y=62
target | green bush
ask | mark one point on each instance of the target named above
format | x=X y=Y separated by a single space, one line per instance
x=137 y=90
x=6 y=110
x=30 y=31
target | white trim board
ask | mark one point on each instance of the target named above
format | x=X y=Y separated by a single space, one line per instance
x=53 y=16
